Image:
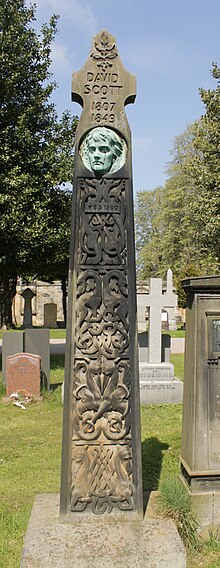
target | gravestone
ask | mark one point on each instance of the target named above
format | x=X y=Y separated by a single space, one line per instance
x=37 y=341
x=12 y=342
x=200 y=451
x=157 y=382
x=23 y=374
x=50 y=315
x=101 y=429
x=28 y=295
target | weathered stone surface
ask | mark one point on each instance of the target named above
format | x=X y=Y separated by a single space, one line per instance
x=28 y=296
x=23 y=373
x=151 y=543
x=200 y=451
x=12 y=342
x=37 y=341
x=50 y=315
x=101 y=462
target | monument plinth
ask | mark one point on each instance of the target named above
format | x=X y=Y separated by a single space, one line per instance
x=101 y=461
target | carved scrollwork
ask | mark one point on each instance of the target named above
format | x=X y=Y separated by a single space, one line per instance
x=102 y=235
x=101 y=391
x=102 y=325
x=101 y=478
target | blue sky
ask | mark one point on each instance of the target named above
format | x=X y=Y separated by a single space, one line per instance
x=168 y=45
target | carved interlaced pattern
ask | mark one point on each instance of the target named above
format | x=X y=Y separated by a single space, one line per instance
x=101 y=390
x=102 y=325
x=102 y=238
x=101 y=458
x=102 y=478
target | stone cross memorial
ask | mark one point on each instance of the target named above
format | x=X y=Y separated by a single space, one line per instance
x=101 y=460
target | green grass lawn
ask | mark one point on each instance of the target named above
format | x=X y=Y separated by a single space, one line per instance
x=54 y=333
x=61 y=333
x=30 y=460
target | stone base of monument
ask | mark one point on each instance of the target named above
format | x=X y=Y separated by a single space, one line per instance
x=158 y=384
x=153 y=542
x=204 y=492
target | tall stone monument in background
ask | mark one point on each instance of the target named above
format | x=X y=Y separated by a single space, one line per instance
x=200 y=451
x=101 y=460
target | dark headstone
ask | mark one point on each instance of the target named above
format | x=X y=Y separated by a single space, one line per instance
x=37 y=341
x=23 y=374
x=101 y=461
x=12 y=342
x=28 y=295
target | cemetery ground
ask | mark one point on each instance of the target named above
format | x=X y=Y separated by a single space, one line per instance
x=30 y=459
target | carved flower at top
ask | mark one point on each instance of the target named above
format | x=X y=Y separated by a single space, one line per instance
x=104 y=51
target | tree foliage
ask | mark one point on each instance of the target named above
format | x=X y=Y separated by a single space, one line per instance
x=178 y=226
x=37 y=154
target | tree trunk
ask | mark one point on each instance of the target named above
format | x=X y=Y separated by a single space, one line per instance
x=7 y=292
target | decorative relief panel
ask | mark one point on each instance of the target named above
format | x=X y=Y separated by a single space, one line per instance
x=101 y=425
x=102 y=215
x=101 y=391
x=102 y=313
x=101 y=478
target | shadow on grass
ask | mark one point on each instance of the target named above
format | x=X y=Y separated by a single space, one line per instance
x=57 y=361
x=152 y=458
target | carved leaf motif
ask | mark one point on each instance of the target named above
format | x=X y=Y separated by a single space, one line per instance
x=104 y=50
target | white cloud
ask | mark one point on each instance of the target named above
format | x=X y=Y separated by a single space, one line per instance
x=76 y=11
x=60 y=58
x=142 y=142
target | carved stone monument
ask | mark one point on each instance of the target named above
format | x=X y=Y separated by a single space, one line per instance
x=200 y=452
x=101 y=485
x=101 y=462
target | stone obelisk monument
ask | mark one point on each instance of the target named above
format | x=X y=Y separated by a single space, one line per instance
x=101 y=459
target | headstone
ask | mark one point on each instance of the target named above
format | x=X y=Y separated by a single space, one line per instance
x=23 y=374
x=101 y=461
x=200 y=452
x=12 y=342
x=50 y=315
x=37 y=341
x=28 y=295
x=157 y=382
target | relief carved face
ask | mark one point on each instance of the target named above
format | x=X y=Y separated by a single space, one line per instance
x=103 y=151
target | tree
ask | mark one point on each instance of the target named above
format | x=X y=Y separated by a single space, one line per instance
x=204 y=169
x=167 y=231
x=148 y=232
x=37 y=153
